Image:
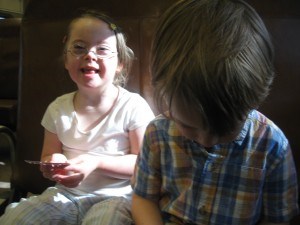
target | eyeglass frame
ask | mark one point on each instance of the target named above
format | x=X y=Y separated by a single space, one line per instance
x=86 y=51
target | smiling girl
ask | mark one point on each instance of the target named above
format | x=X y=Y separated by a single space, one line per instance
x=97 y=130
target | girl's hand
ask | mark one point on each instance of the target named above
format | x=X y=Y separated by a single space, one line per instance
x=79 y=168
x=50 y=171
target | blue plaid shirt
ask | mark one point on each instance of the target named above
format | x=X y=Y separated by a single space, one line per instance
x=237 y=183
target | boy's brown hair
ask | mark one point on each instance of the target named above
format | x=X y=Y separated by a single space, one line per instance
x=214 y=55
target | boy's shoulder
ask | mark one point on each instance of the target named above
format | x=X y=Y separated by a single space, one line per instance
x=164 y=124
x=161 y=120
x=260 y=120
x=262 y=129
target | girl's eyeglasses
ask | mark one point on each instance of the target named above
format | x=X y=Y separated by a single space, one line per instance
x=100 y=53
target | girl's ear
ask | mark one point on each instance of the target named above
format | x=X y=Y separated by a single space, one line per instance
x=65 y=60
x=120 y=68
x=66 y=67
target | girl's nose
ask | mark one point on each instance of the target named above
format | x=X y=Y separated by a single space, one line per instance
x=91 y=55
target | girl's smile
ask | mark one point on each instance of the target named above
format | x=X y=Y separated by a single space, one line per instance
x=90 y=70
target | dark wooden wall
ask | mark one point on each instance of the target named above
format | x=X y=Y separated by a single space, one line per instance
x=9 y=70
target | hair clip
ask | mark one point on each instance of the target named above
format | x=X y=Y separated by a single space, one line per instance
x=113 y=26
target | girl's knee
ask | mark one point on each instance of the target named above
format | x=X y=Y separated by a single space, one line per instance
x=113 y=211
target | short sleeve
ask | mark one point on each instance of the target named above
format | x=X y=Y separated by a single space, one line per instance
x=147 y=175
x=132 y=110
x=48 y=121
x=281 y=189
x=141 y=113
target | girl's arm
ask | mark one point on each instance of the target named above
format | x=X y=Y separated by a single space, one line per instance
x=51 y=146
x=145 y=212
x=120 y=167
x=123 y=166
x=51 y=152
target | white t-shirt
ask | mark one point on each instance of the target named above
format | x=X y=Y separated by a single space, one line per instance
x=109 y=137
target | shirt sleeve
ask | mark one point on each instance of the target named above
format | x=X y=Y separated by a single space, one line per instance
x=139 y=113
x=48 y=121
x=281 y=188
x=147 y=175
